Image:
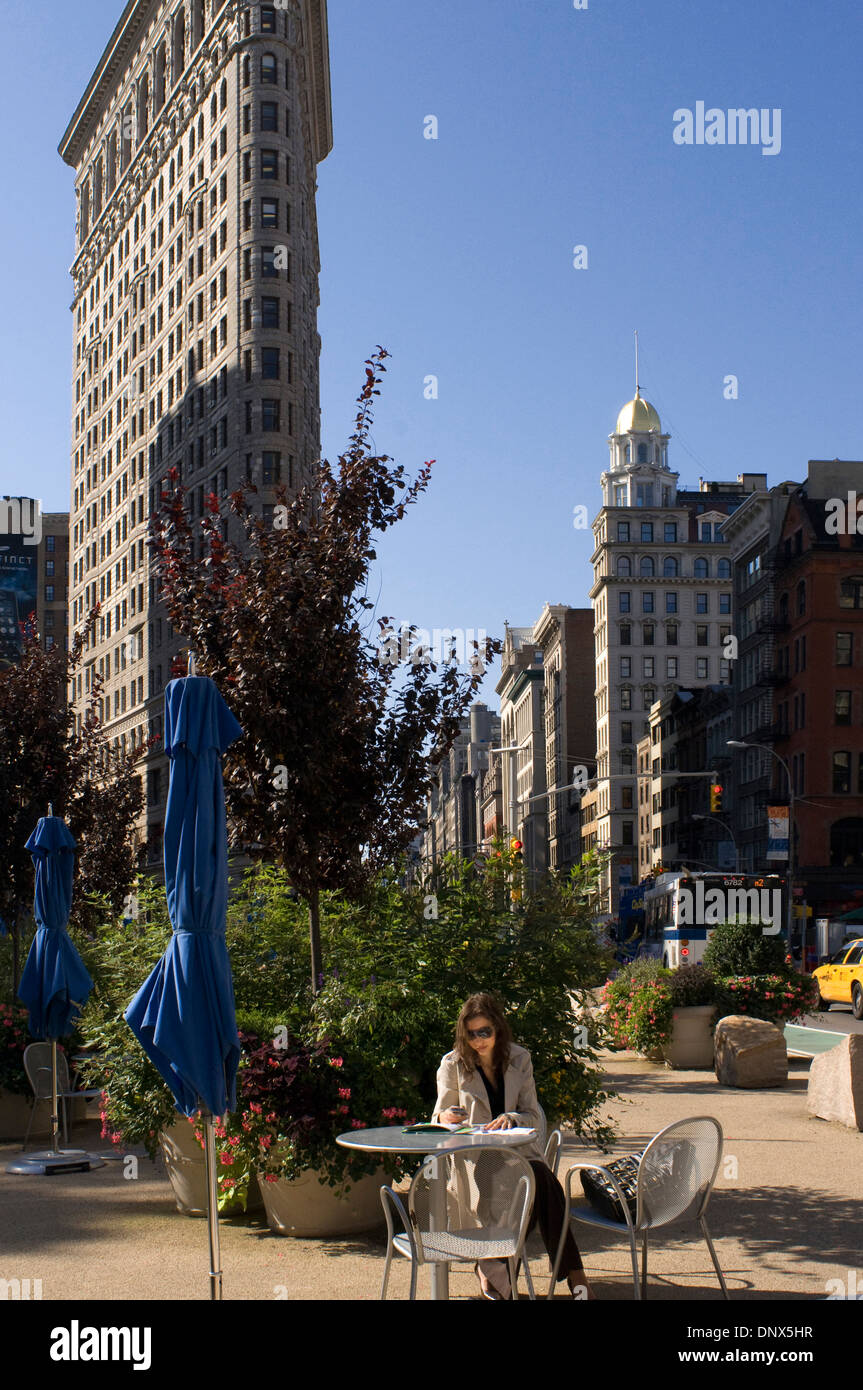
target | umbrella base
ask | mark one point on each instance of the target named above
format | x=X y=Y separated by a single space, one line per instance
x=45 y=1162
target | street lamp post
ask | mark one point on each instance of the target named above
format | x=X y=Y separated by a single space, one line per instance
x=737 y=743
x=725 y=826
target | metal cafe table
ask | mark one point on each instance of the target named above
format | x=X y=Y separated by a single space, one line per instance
x=392 y=1140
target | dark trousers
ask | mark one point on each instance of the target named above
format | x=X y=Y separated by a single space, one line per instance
x=548 y=1211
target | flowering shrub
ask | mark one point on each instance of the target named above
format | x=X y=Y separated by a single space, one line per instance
x=779 y=998
x=638 y=1006
x=14 y=1037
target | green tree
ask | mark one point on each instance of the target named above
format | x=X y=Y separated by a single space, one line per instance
x=740 y=947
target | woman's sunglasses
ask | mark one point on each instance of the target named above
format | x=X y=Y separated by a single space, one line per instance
x=480 y=1032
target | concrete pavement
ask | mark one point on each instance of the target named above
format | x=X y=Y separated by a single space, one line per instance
x=785 y=1216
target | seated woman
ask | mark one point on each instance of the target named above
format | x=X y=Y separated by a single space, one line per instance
x=488 y=1080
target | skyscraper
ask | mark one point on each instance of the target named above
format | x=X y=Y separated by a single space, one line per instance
x=195 y=147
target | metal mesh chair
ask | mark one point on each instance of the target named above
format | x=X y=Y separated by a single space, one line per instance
x=534 y=1249
x=464 y=1205
x=37 y=1066
x=675 y=1179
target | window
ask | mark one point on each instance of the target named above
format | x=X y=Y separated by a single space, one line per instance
x=624 y=566
x=701 y=668
x=626 y=732
x=272 y=468
x=269 y=115
x=628 y=831
x=620 y=501
x=270 y=364
x=670 y=567
x=705 y=531
x=625 y=699
x=623 y=531
x=647 y=531
x=671 y=635
x=842 y=707
x=671 y=603
x=701 y=569
x=701 y=635
x=268 y=261
x=801 y=597
x=723 y=569
x=671 y=666
x=269 y=313
x=269 y=212
x=269 y=164
x=268 y=68
x=646 y=567
x=268 y=20
x=50 y=544
x=725 y=603
x=625 y=635
x=670 y=532
x=701 y=603
x=850 y=594
x=647 y=663
x=625 y=667
x=49 y=593
x=647 y=602
x=649 y=696
x=841 y=774
x=624 y=601
x=626 y=802
x=647 y=634
x=270 y=415
x=844 y=649
x=643 y=492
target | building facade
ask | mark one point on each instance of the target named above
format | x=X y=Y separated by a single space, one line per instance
x=662 y=597
x=522 y=718
x=195 y=148
x=564 y=637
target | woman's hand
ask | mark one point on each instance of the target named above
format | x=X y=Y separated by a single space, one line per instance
x=502 y=1122
x=456 y=1115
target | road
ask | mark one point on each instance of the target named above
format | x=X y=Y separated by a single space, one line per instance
x=837 y=1019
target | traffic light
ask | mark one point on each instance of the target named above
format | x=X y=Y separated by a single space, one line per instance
x=715 y=797
x=515 y=845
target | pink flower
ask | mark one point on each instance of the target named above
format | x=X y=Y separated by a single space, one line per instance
x=345 y=1092
x=227 y=1159
x=270 y=1177
x=357 y=1124
x=255 y=1107
x=336 y=1061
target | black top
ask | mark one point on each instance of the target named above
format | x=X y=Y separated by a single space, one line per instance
x=496 y=1098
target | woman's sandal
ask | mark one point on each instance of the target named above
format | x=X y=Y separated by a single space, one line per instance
x=500 y=1292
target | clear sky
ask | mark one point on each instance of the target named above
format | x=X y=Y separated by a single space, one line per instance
x=555 y=130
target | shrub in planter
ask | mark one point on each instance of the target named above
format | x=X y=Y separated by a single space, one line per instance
x=692 y=985
x=638 y=1005
x=14 y=1037
x=742 y=948
x=778 y=998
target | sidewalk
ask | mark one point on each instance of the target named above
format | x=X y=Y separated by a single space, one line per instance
x=785 y=1224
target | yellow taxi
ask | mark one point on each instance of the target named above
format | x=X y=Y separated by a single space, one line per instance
x=840 y=979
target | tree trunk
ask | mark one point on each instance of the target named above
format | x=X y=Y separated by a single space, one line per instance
x=315 y=940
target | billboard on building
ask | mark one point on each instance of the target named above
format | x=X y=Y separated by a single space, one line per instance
x=777 y=832
x=19 y=579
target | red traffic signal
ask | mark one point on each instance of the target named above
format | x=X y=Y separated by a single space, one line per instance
x=715 y=797
x=515 y=845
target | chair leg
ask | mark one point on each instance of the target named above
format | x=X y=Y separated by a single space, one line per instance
x=644 y=1265
x=513 y=1276
x=413 y=1290
x=633 y=1251
x=386 y=1277
x=30 y=1125
x=720 y=1275
x=528 y=1279
x=64 y=1115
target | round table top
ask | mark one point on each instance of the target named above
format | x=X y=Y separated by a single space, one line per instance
x=392 y=1139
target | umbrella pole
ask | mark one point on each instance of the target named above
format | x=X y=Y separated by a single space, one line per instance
x=212 y=1208
x=55 y=1106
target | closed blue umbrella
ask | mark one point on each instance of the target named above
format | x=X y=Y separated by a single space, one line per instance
x=55 y=982
x=183 y=1015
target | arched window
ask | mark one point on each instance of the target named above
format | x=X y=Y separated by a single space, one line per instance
x=191 y=142
x=127 y=133
x=201 y=129
x=159 y=79
x=268 y=68
x=723 y=569
x=624 y=566
x=247 y=71
x=670 y=567
x=84 y=224
x=111 y=164
x=801 y=597
x=646 y=567
x=214 y=110
x=628 y=454
x=846 y=843
x=223 y=96
x=178 y=55
x=701 y=569
x=642 y=453
x=197 y=22
x=143 y=106
x=97 y=189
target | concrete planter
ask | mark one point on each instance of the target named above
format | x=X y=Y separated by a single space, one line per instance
x=307 y=1207
x=691 y=1045
x=187 y=1171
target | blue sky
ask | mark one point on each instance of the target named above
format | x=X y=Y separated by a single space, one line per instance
x=555 y=129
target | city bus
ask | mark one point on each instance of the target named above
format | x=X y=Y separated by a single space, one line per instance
x=683 y=907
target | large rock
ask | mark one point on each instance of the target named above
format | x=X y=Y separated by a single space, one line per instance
x=836 y=1083
x=749 y=1053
